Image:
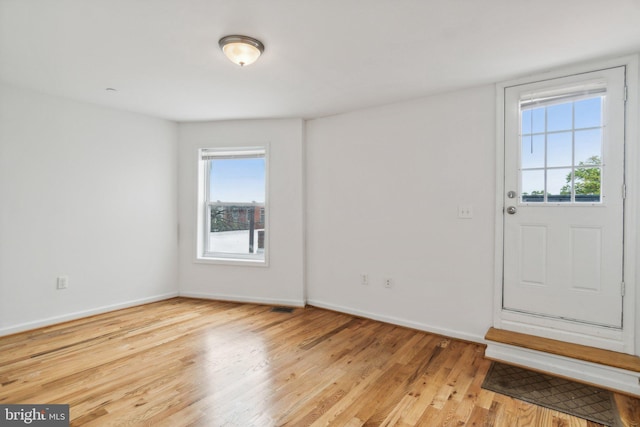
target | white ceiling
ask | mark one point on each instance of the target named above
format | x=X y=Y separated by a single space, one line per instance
x=322 y=57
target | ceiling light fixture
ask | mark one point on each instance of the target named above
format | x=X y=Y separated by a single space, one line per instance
x=241 y=50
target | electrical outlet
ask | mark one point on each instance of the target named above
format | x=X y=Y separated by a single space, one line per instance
x=388 y=283
x=364 y=279
x=465 y=211
x=63 y=282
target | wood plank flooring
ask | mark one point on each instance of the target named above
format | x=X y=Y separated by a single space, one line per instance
x=186 y=362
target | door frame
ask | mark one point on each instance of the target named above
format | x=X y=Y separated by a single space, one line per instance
x=622 y=340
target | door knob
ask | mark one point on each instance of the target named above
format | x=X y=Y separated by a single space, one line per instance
x=511 y=210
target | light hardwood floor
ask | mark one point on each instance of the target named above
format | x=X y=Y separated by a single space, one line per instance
x=204 y=363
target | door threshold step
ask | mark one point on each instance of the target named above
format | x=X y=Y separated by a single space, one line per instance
x=560 y=348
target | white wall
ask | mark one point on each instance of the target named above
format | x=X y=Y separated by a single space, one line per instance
x=384 y=186
x=282 y=282
x=87 y=192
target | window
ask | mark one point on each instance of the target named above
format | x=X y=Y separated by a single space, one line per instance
x=233 y=204
x=561 y=133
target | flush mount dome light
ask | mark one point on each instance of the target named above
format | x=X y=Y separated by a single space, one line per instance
x=241 y=50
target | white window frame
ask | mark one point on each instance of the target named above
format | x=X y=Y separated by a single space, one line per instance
x=203 y=216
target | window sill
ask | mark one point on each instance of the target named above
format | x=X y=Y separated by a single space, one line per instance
x=232 y=261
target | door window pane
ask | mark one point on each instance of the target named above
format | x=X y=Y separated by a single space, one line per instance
x=588 y=146
x=588 y=113
x=525 y=124
x=560 y=117
x=533 y=186
x=559 y=185
x=532 y=151
x=533 y=121
x=587 y=184
x=559 y=149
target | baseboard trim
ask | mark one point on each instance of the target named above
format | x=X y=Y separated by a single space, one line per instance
x=244 y=299
x=27 y=326
x=400 y=322
x=608 y=377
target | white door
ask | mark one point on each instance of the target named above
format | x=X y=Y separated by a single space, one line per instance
x=564 y=198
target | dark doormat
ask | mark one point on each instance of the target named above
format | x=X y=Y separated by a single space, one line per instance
x=580 y=400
